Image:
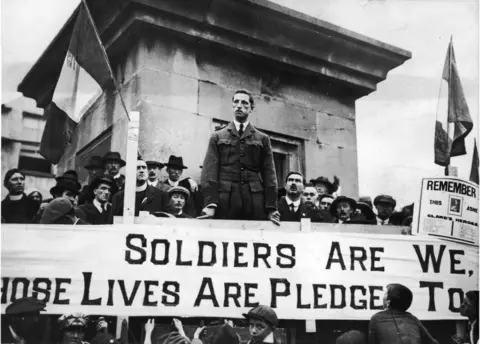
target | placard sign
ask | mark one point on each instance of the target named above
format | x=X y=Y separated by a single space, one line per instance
x=152 y=270
x=449 y=209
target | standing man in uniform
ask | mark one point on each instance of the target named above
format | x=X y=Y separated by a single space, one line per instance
x=238 y=175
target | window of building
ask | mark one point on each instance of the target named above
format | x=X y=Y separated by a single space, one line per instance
x=32 y=162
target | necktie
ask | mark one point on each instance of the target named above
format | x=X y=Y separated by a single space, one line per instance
x=383 y=222
x=292 y=208
x=240 y=132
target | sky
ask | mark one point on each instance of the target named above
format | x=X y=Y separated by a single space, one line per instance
x=395 y=124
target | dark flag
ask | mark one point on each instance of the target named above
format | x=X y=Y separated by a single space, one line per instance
x=452 y=128
x=474 y=171
x=85 y=72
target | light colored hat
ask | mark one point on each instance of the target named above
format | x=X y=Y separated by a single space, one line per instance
x=72 y=319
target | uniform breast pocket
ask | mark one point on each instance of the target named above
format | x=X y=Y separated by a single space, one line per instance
x=226 y=149
x=254 y=151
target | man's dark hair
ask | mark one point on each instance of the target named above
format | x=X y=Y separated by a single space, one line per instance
x=309 y=185
x=250 y=98
x=400 y=297
x=473 y=296
x=9 y=175
x=292 y=173
x=325 y=196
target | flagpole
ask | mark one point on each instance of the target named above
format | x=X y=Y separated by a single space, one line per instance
x=84 y=2
x=450 y=48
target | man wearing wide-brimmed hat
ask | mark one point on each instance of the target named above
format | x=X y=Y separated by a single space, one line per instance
x=175 y=169
x=24 y=322
x=385 y=205
x=324 y=186
x=98 y=212
x=343 y=209
x=113 y=162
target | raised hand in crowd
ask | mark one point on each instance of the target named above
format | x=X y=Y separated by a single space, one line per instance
x=149 y=326
x=179 y=326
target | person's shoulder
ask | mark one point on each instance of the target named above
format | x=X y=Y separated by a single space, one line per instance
x=379 y=315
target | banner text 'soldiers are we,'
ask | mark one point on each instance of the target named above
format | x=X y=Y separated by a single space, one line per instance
x=153 y=270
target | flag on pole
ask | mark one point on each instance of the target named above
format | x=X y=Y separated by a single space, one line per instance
x=474 y=171
x=452 y=127
x=85 y=72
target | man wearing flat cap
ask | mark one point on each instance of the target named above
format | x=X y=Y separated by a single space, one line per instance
x=95 y=169
x=178 y=196
x=98 y=212
x=24 y=324
x=154 y=168
x=385 y=205
x=343 y=209
x=262 y=321
x=238 y=177
x=175 y=168
x=113 y=162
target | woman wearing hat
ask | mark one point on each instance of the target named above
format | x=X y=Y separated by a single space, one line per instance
x=72 y=328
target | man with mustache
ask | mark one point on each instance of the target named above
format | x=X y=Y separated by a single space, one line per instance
x=178 y=199
x=17 y=207
x=238 y=175
x=154 y=168
x=343 y=210
x=113 y=163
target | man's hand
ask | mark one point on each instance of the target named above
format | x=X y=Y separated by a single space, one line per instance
x=198 y=332
x=179 y=326
x=149 y=326
x=228 y=322
x=102 y=325
x=274 y=216
x=209 y=211
x=193 y=185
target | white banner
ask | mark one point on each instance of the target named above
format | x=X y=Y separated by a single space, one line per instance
x=152 y=270
x=448 y=208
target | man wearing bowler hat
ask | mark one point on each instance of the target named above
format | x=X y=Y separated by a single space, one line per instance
x=98 y=212
x=343 y=209
x=154 y=168
x=95 y=169
x=385 y=205
x=113 y=162
x=23 y=322
x=238 y=176
x=175 y=169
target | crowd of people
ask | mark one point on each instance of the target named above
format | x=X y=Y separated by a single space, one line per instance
x=393 y=325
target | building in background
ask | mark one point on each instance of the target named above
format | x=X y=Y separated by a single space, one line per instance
x=22 y=128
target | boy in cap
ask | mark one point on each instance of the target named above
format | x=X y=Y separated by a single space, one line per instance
x=72 y=328
x=262 y=321
x=23 y=318
x=385 y=205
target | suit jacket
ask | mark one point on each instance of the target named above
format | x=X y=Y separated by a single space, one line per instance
x=315 y=214
x=190 y=208
x=155 y=200
x=94 y=217
x=234 y=159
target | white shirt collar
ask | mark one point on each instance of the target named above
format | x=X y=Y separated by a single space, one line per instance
x=172 y=183
x=141 y=188
x=295 y=203
x=15 y=197
x=379 y=221
x=269 y=338
x=237 y=125
x=116 y=176
x=154 y=183
x=98 y=205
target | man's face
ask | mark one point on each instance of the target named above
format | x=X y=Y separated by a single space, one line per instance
x=384 y=210
x=259 y=329
x=322 y=189
x=73 y=336
x=177 y=201
x=241 y=107
x=153 y=172
x=102 y=193
x=96 y=172
x=344 y=210
x=16 y=184
x=72 y=196
x=467 y=308
x=174 y=173
x=310 y=195
x=112 y=167
x=294 y=185
x=326 y=203
x=36 y=196
x=141 y=171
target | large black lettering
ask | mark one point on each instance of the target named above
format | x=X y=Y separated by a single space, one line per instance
x=286 y=252
x=374 y=259
x=431 y=292
x=372 y=289
x=239 y=254
x=165 y=259
x=343 y=302
x=128 y=299
x=201 y=256
x=87 y=280
x=363 y=303
x=451 y=293
x=361 y=259
x=225 y=254
x=111 y=285
x=146 y=299
x=16 y=281
x=454 y=262
x=60 y=290
x=429 y=255
x=335 y=249
x=249 y=294
x=317 y=295
x=263 y=256
x=5 y=283
x=299 y=299
x=233 y=295
x=45 y=290
x=180 y=262
x=139 y=249
x=206 y=284
x=275 y=292
x=175 y=293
